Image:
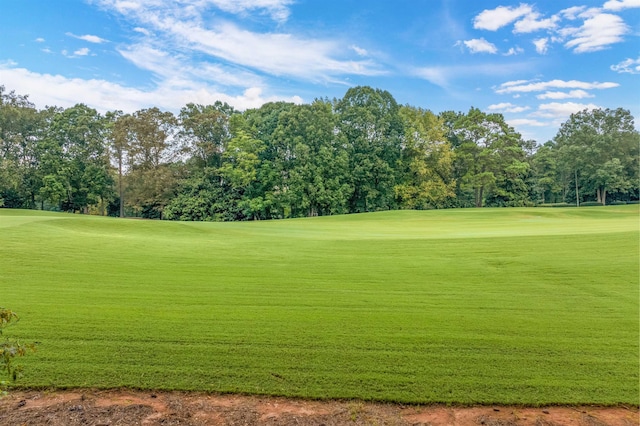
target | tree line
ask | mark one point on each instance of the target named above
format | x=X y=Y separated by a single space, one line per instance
x=361 y=153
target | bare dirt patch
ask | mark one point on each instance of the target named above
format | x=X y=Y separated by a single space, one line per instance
x=125 y=407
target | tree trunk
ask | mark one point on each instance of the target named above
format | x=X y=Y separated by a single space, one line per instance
x=120 y=194
x=479 y=195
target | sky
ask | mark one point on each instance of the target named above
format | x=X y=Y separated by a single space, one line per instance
x=534 y=62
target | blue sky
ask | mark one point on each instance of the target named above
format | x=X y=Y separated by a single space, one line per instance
x=534 y=62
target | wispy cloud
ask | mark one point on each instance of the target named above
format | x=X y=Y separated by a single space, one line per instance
x=573 y=94
x=523 y=86
x=480 y=45
x=39 y=40
x=514 y=51
x=277 y=9
x=494 y=19
x=444 y=76
x=88 y=37
x=507 y=107
x=179 y=72
x=276 y=53
x=561 y=111
x=84 y=51
x=359 y=50
x=630 y=66
x=516 y=122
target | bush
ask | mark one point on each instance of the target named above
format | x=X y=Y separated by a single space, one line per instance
x=618 y=203
x=591 y=204
x=10 y=349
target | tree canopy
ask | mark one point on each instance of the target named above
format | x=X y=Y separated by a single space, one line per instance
x=363 y=152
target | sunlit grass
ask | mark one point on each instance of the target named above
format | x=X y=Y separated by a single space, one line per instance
x=523 y=306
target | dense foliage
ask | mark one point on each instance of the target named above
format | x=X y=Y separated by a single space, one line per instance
x=361 y=153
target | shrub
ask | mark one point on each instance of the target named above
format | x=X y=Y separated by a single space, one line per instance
x=590 y=204
x=10 y=349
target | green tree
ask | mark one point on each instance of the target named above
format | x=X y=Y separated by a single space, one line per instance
x=205 y=128
x=240 y=170
x=427 y=162
x=316 y=165
x=276 y=160
x=75 y=163
x=153 y=152
x=491 y=162
x=601 y=147
x=370 y=122
x=548 y=183
x=21 y=128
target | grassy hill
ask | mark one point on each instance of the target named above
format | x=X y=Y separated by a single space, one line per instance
x=525 y=306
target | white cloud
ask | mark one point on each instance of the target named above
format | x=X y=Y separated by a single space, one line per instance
x=617 y=5
x=40 y=40
x=531 y=23
x=526 y=122
x=179 y=72
x=631 y=66
x=497 y=18
x=142 y=31
x=542 y=45
x=480 y=45
x=523 y=86
x=561 y=111
x=359 y=50
x=88 y=37
x=506 y=107
x=443 y=75
x=572 y=13
x=281 y=54
x=573 y=94
x=514 y=51
x=47 y=89
x=596 y=33
x=278 y=9
x=84 y=51
x=439 y=76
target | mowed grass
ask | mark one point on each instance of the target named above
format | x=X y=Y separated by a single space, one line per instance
x=515 y=306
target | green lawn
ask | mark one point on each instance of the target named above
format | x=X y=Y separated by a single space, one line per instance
x=525 y=306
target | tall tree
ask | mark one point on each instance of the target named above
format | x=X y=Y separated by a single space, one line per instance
x=490 y=157
x=601 y=147
x=370 y=121
x=240 y=170
x=153 y=152
x=427 y=161
x=75 y=165
x=21 y=128
x=316 y=165
x=206 y=131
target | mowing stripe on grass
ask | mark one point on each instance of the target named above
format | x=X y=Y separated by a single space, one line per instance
x=526 y=306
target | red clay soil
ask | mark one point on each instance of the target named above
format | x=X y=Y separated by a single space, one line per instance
x=125 y=407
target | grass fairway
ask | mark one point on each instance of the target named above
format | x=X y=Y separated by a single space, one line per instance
x=513 y=306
